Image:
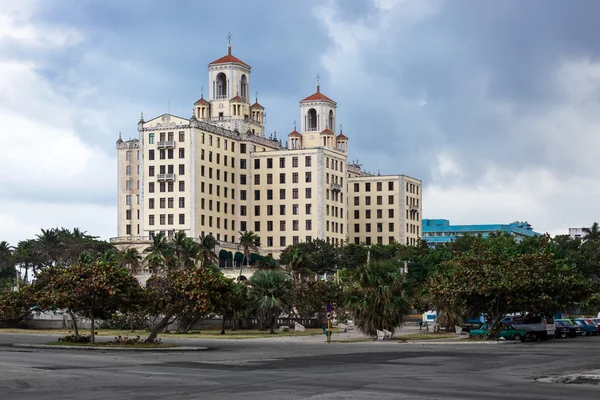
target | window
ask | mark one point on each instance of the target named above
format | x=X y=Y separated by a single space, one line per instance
x=294 y=162
x=368 y=227
x=151 y=220
x=181 y=169
x=170 y=202
x=390 y=185
x=257 y=179
x=162 y=219
x=170 y=154
x=391 y=227
x=170 y=186
x=356 y=214
x=379 y=227
x=257 y=195
x=243 y=163
x=295 y=177
x=256 y=211
x=269 y=210
x=243 y=148
x=356 y=187
x=256 y=226
x=128 y=229
x=269 y=241
x=367 y=187
x=379 y=186
x=308 y=224
x=269 y=179
x=356 y=200
x=379 y=214
x=368 y=200
x=242 y=195
x=269 y=194
x=282 y=194
x=269 y=226
x=182 y=218
x=243 y=211
x=308 y=209
x=368 y=214
x=282 y=209
x=162 y=154
x=282 y=176
x=269 y=163
x=128 y=199
x=295 y=209
x=151 y=138
x=181 y=153
x=163 y=202
x=181 y=202
x=379 y=200
x=308 y=177
x=282 y=226
x=162 y=187
x=151 y=204
x=282 y=241
x=182 y=136
x=390 y=199
x=257 y=163
x=295 y=193
x=151 y=155
x=243 y=179
x=308 y=193
x=307 y=161
x=243 y=226
x=181 y=186
x=128 y=170
x=128 y=214
x=281 y=162
x=151 y=187
x=356 y=227
x=391 y=213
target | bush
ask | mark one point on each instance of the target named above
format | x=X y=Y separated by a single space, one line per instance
x=127 y=341
x=127 y=321
x=75 y=339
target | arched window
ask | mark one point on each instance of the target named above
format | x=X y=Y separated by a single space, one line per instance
x=221 y=86
x=244 y=86
x=331 y=121
x=312 y=120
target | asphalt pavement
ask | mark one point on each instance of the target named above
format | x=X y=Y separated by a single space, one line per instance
x=283 y=368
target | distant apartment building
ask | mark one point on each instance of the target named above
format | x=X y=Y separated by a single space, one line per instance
x=216 y=173
x=577 y=233
x=440 y=231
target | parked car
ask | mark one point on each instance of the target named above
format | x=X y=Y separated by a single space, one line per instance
x=536 y=326
x=567 y=328
x=589 y=328
x=508 y=332
x=596 y=321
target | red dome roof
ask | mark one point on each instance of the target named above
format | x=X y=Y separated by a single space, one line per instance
x=238 y=98
x=202 y=101
x=295 y=133
x=229 y=59
x=327 y=131
x=318 y=96
x=341 y=136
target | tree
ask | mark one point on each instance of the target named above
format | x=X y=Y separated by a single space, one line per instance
x=271 y=292
x=206 y=250
x=158 y=254
x=6 y=255
x=313 y=296
x=96 y=290
x=593 y=233
x=320 y=257
x=130 y=258
x=14 y=307
x=194 y=292
x=377 y=297
x=26 y=257
x=296 y=266
x=267 y=262
x=249 y=241
x=496 y=278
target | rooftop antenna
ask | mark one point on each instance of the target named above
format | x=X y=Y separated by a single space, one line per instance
x=202 y=92
x=257 y=97
x=229 y=36
x=169 y=106
x=318 y=84
x=294 y=125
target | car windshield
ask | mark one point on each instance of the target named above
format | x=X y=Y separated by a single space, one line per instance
x=578 y=323
x=566 y=322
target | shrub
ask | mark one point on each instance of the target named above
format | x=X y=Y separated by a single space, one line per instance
x=75 y=339
x=127 y=341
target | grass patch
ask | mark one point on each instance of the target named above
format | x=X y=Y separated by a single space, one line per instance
x=351 y=340
x=205 y=334
x=114 y=345
x=425 y=336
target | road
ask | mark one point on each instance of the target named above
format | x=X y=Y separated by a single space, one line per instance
x=286 y=369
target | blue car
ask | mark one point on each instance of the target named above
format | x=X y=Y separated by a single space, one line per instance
x=588 y=326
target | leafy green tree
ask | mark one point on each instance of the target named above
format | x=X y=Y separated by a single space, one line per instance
x=159 y=254
x=296 y=266
x=353 y=256
x=313 y=296
x=320 y=257
x=496 y=278
x=14 y=306
x=194 y=292
x=271 y=292
x=249 y=241
x=96 y=290
x=130 y=258
x=267 y=262
x=377 y=297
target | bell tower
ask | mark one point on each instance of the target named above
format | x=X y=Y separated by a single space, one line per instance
x=317 y=120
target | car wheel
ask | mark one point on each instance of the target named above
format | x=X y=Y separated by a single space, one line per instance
x=584 y=333
x=533 y=337
x=516 y=336
x=563 y=335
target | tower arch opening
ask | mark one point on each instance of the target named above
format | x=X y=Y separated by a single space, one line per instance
x=331 y=121
x=311 y=116
x=244 y=86
x=221 y=86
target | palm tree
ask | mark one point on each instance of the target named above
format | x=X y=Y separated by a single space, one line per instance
x=248 y=241
x=296 y=267
x=109 y=257
x=206 y=250
x=271 y=293
x=267 y=262
x=593 y=233
x=378 y=298
x=49 y=246
x=26 y=256
x=178 y=242
x=6 y=255
x=130 y=258
x=159 y=253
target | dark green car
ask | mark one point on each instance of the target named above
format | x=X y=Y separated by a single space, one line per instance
x=509 y=333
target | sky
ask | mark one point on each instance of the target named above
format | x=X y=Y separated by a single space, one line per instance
x=492 y=104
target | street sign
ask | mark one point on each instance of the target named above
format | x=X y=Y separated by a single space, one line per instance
x=328 y=307
x=328 y=315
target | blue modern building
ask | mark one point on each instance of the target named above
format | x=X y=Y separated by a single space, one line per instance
x=440 y=231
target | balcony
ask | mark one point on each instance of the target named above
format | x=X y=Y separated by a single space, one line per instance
x=166 y=144
x=165 y=177
x=221 y=97
x=336 y=187
x=413 y=207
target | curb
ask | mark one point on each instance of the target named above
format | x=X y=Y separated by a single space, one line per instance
x=92 y=348
x=461 y=342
